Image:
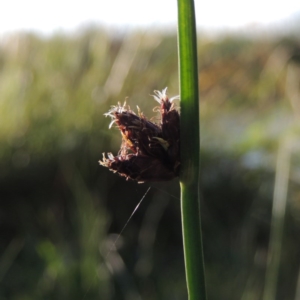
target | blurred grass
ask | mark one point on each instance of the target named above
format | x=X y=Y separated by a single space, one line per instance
x=59 y=209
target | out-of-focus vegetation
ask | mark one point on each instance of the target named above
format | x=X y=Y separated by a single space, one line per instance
x=60 y=210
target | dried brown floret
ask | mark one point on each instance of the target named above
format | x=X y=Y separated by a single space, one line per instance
x=149 y=151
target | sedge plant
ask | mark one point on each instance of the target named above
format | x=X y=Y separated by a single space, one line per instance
x=171 y=148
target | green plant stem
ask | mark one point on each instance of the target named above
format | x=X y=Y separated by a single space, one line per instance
x=192 y=242
x=190 y=150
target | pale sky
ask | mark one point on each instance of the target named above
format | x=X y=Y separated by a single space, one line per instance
x=50 y=16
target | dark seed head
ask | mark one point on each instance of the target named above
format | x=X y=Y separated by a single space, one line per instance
x=149 y=151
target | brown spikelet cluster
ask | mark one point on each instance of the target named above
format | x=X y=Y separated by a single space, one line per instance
x=149 y=151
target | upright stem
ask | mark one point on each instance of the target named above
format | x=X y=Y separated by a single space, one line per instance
x=278 y=216
x=192 y=242
x=190 y=150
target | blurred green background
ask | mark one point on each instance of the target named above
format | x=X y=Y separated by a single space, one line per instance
x=61 y=212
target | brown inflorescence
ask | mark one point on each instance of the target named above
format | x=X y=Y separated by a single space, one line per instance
x=149 y=151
